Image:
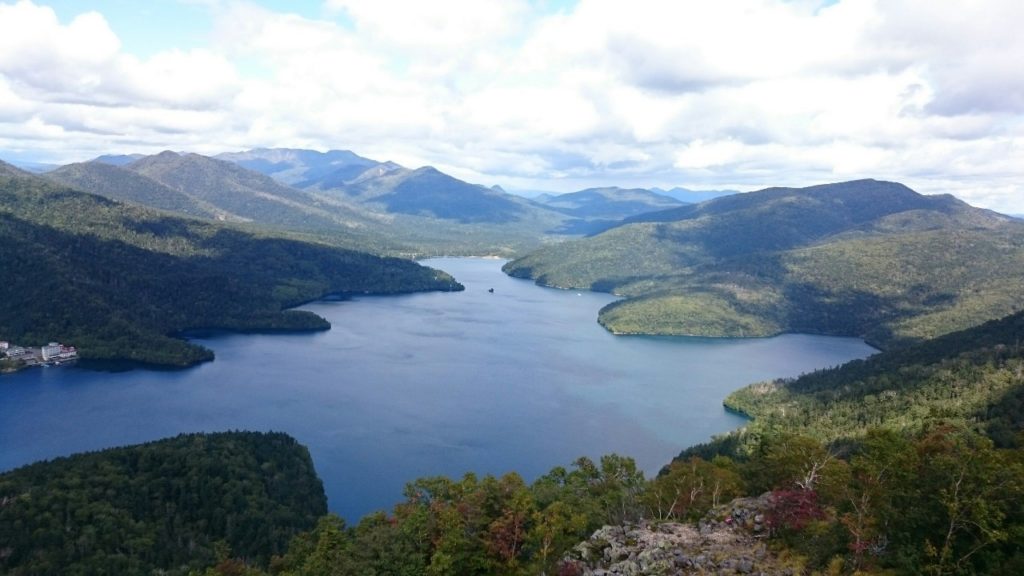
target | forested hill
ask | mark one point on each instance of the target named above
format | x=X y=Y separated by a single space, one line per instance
x=10 y=170
x=864 y=258
x=972 y=378
x=238 y=193
x=165 y=507
x=122 y=184
x=117 y=281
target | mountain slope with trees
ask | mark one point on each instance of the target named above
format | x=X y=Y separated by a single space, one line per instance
x=347 y=200
x=610 y=203
x=302 y=168
x=973 y=378
x=864 y=258
x=248 y=195
x=118 y=281
x=115 y=182
x=171 y=506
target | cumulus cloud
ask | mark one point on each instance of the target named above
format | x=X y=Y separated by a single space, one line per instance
x=542 y=96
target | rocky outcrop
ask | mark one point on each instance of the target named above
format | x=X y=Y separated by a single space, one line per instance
x=728 y=540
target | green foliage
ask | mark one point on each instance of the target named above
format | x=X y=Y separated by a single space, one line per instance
x=974 y=378
x=475 y=526
x=118 y=281
x=686 y=490
x=902 y=449
x=865 y=258
x=165 y=505
x=124 y=185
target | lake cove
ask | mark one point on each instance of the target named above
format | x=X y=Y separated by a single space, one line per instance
x=519 y=379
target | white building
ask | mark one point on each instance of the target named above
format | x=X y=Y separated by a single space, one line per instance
x=51 y=350
x=4 y=345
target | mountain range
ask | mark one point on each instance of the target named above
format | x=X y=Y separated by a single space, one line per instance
x=345 y=199
x=863 y=258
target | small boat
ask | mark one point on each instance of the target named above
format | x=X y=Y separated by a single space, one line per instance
x=491 y=290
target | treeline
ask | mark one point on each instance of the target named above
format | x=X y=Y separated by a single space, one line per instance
x=971 y=378
x=118 y=281
x=943 y=501
x=174 y=505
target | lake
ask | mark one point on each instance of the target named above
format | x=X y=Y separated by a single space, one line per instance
x=520 y=379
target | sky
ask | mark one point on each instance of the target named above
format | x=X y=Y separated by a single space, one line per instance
x=538 y=95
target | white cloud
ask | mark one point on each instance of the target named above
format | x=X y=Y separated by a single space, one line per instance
x=745 y=94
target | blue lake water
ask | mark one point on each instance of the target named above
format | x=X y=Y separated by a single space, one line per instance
x=520 y=379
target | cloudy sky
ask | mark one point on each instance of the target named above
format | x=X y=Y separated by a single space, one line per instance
x=538 y=95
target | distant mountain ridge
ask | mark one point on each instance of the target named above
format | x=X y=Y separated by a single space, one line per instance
x=118 y=159
x=427 y=191
x=241 y=194
x=693 y=196
x=609 y=202
x=11 y=170
x=863 y=258
x=301 y=168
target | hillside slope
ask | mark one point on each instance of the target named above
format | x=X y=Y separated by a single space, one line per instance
x=162 y=507
x=864 y=258
x=610 y=203
x=118 y=280
x=301 y=168
x=112 y=181
x=973 y=378
x=242 y=194
x=359 y=203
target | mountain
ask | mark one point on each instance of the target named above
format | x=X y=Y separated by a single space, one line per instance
x=352 y=177
x=118 y=183
x=245 y=195
x=10 y=170
x=118 y=159
x=117 y=280
x=864 y=258
x=429 y=192
x=163 y=507
x=302 y=168
x=386 y=209
x=693 y=196
x=611 y=203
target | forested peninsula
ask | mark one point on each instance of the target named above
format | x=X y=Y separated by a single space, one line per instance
x=120 y=281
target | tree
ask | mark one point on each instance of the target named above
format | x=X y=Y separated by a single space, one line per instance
x=690 y=488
